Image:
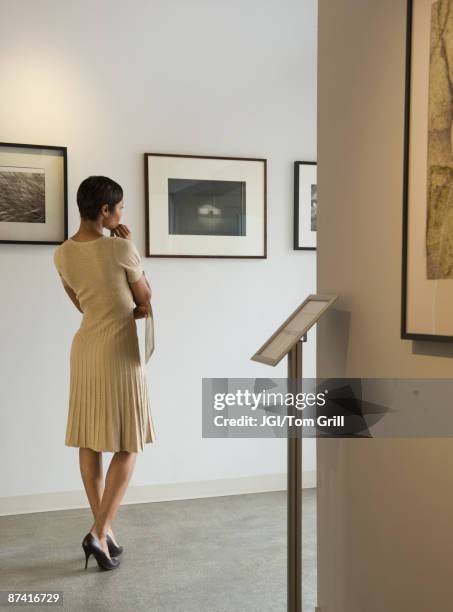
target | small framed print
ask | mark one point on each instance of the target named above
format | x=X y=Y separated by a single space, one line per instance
x=33 y=193
x=204 y=206
x=305 y=205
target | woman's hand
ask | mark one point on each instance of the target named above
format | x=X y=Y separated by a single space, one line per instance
x=142 y=311
x=122 y=231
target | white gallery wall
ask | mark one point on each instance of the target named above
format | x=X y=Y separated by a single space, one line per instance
x=112 y=80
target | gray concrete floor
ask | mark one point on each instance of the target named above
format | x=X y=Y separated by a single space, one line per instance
x=218 y=554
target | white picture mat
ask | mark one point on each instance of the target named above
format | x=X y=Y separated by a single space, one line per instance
x=429 y=302
x=52 y=163
x=161 y=168
x=307 y=178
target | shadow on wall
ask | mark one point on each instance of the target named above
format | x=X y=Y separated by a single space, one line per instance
x=333 y=343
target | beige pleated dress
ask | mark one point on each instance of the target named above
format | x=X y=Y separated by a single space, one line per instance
x=108 y=393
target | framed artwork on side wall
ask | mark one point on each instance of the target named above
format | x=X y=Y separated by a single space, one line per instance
x=33 y=193
x=305 y=205
x=203 y=206
x=427 y=245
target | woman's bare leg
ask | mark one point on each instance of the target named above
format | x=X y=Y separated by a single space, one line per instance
x=91 y=471
x=116 y=482
x=92 y=476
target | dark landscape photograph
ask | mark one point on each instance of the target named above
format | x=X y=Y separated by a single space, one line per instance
x=22 y=196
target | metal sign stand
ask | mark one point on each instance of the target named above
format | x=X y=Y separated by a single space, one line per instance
x=287 y=340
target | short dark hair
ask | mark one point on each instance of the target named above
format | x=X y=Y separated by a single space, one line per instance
x=94 y=192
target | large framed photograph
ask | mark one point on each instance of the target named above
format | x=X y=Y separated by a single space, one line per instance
x=204 y=206
x=33 y=193
x=305 y=205
x=427 y=253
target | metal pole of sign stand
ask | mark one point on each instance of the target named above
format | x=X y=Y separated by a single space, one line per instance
x=294 y=480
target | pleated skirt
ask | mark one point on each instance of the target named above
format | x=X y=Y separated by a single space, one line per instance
x=108 y=394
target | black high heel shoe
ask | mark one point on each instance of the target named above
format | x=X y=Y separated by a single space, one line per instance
x=91 y=545
x=114 y=550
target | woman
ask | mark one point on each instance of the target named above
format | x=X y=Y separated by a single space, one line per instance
x=108 y=397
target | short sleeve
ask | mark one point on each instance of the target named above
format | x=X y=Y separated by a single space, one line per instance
x=128 y=257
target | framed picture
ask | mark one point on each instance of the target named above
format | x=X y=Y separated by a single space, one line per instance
x=203 y=206
x=33 y=193
x=305 y=205
x=427 y=249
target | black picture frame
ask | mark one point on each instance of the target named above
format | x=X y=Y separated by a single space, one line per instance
x=296 y=212
x=64 y=154
x=405 y=335
x=149 y=252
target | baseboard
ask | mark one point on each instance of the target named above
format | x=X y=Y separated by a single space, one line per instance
x=67 y=500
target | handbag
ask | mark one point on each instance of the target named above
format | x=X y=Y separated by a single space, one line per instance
x=149 y=335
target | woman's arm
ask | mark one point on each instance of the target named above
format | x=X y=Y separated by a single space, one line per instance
x=149 y=286
x=141 y=291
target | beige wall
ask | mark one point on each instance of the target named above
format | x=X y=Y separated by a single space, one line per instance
x=385 y=507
